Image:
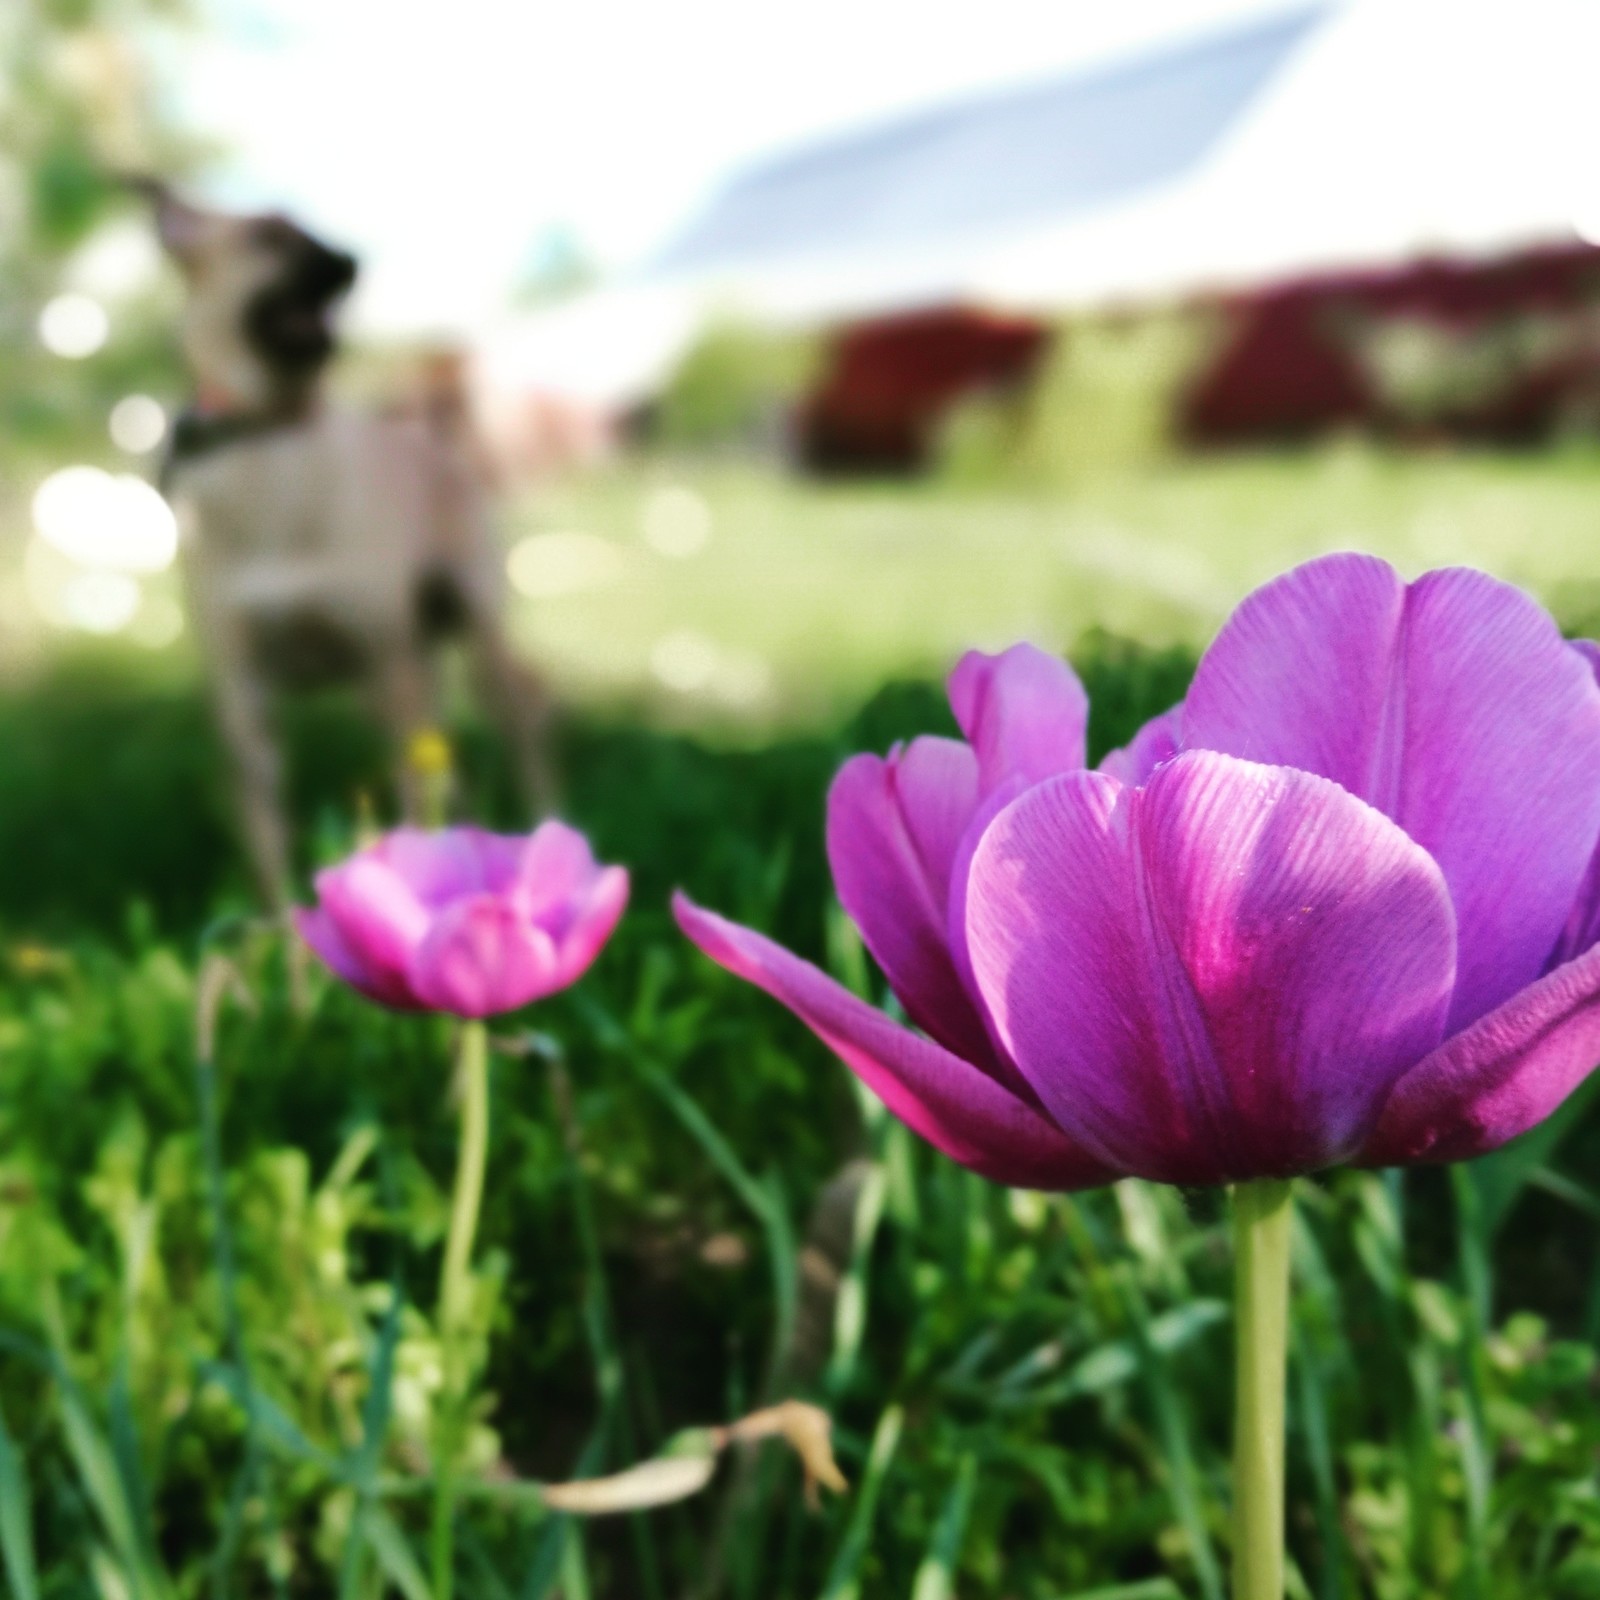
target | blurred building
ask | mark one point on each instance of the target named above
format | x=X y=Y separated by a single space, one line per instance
x=1388 y=201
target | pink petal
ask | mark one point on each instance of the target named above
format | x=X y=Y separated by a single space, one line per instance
x=1504 y=1075
x=893 y=830
x=1216 y=977
x=482 y=957
x=377 y=915
x=1024 y=711
x=1158 y=741
x=950 y=1103
x=555 y=870
x=592 y=921
x=1455 y=708
x=445 y=864
x=321 y=934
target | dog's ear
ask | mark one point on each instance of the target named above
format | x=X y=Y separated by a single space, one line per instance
x=181 y=227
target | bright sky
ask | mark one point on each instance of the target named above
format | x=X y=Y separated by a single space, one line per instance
x=443 y=138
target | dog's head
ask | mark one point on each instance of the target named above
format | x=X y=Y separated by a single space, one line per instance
x=258 y=326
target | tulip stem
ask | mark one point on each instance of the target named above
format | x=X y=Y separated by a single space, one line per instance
x=1262 y=1213
x=455 y=1291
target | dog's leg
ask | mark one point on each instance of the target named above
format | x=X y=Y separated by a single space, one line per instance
x=512 y=693
x=257 y=772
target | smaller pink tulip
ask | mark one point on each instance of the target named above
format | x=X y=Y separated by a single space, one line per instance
x=463 y=920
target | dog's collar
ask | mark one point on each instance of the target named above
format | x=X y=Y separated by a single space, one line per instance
x=197 y=433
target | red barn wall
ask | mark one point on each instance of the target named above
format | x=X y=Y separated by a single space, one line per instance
x=889 y=382
x=1293 y=366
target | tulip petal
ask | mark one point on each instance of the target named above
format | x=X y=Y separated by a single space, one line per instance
x=591 y=922
x=1024 y=711
x=893 y=829
x=1582 y=928
x=322 y=935
x=956 y=919
x=554 y=870
x=1455 y=708
x=1158 y=741
x=953 y=1105
x=481 y=957
x=1499 y=1078
x=378 y=916
x=445 y=864
x=1219 y=976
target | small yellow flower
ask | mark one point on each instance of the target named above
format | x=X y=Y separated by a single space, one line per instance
x=29 y=960
x=428 y=753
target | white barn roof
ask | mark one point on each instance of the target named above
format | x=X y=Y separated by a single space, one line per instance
x=1352 y=134
x=1028 y=156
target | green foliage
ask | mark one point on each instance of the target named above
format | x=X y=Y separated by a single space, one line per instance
x=81 y=105
x=1030 y=1393
x=734 y=386
x=1103 y=403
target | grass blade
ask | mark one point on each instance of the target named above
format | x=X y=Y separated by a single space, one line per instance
x=374 y=1429
x=1172 y=1428
x=936 y=1576
x=394 y=1554
x=844 y=1577
x=16 y=1520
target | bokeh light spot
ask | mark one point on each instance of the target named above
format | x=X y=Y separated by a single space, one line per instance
x=73 y=326
x=113 y=523
x=685 y=661
x=545 y=566
x=138 y=424
x=100 y=602
x=676 y=521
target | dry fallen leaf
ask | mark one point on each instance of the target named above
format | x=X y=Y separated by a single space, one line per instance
x=809 y=1431
x=652 y=1483
x=686 y=1465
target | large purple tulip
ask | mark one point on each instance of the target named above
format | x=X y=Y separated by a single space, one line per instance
x=462 y=920
x=1339 y=906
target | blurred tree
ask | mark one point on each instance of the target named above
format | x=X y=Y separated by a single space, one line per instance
x=81 y=104
x=736 y=387
x=1103 y=403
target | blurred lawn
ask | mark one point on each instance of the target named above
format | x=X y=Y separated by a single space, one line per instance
x=805 y=597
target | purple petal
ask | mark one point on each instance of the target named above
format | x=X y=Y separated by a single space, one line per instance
x=1504 y=1075
x=321 y=934
x=1582 y=927
x=1158 y=741
x=956 y=930
x=1216 y=977
x=953 y=1105
x=1024 y=711
x=554 y=872
x=446 y=864
x=593 y=920
x=378 y=917
x=893 y=829
x=1588 y=652
x=1455 y=708
x=482 y=957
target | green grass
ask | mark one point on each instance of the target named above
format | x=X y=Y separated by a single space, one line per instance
x=1031 y=1395
x=832 y=589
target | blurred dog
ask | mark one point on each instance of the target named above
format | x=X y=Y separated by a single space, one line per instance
x=320 y=543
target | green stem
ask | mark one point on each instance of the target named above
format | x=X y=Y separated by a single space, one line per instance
x=455 y=1288
x=1262 y=1211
